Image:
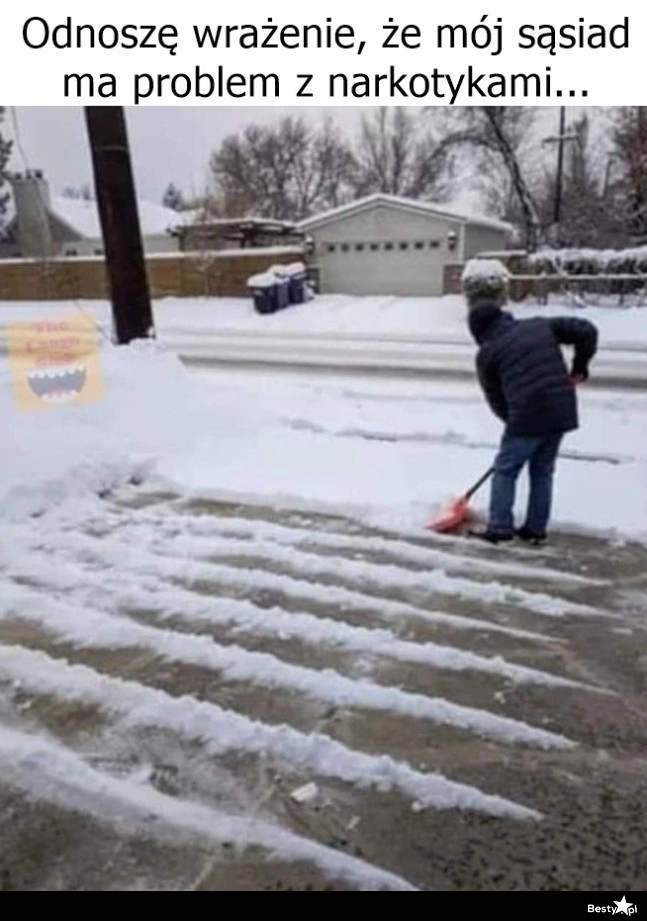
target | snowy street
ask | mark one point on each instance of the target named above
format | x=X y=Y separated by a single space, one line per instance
x=378 y=335
x=231 y=656
x=621 y=365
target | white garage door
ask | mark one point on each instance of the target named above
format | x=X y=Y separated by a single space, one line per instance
x=404 y=267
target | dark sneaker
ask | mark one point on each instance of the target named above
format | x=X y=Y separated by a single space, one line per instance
x=492 y=537
x=535 y=538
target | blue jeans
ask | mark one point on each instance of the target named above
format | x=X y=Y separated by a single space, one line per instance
x=540 y=453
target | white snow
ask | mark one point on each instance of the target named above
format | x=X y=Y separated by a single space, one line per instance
x=393 y=453
x=458 y=213
x=83 y=216
x=67 y=577
x=87 y=628
x=90 y=575
x=426 y=322
x=387 y=451
x=294 y=268
x=55 y=773
x=224 y=730
x=203 y=258
x=484 y=270
x=583 y=260
x=425 y=557
x=72 y=450
x=262 y=280
x=366 y=575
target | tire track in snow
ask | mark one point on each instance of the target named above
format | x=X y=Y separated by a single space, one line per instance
x=223 y=731
x=89 y=629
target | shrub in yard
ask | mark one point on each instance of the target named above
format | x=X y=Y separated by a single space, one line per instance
x=589 y=261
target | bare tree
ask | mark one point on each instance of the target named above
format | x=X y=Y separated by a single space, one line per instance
x=323 y=173
x=173 y=198
x=589 y=216
x=397 y=154
x=630 y=151
x=79 y=193
x=286 y=171
x=497 y=133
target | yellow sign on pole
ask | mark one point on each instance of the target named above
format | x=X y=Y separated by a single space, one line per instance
x=55 y=362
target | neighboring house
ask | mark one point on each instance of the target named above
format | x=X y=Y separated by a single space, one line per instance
x=387 y=245
x=45 y=225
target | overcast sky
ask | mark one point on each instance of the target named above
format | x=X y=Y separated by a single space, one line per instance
x=173 y=144
x=168 y=144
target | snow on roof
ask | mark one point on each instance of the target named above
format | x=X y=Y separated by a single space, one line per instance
x=201 y=218
x=197 y=256
x=187 y=217
x=83 y=216
x=409 y=204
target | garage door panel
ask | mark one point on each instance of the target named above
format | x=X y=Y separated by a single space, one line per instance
x=410 y=272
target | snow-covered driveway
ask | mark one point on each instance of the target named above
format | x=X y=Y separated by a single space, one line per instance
x=173 y=669
x=261 y=609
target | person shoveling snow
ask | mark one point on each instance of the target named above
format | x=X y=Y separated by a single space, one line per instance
x=526 y=383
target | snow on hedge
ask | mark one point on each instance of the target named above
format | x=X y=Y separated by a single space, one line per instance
x=590 y=261
x=484 y=270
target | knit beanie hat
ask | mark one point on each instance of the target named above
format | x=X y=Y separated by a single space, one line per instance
x=485 y=281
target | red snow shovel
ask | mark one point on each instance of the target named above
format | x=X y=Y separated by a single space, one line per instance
x=457 y=512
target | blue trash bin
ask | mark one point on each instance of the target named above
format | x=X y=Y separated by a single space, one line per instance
x=282 y=283
x=297 y=277
x=264 y=290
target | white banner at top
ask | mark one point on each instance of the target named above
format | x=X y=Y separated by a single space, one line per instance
x=153 y=52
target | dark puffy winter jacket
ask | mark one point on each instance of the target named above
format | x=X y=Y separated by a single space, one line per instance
x=522 y=370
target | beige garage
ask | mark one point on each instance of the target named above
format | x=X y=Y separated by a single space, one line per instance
x=388 y=245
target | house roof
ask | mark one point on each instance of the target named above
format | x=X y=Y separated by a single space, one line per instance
x=82 y=216
x=199 y=220
x=404 y=204
x=251 y=220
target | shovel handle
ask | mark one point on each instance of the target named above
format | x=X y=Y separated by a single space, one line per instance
x=475 y=488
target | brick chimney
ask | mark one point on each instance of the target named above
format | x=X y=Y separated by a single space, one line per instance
x=32 y=203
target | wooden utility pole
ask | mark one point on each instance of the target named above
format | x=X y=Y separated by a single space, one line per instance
x=561 y=139
x=560 y=165
x=115 y=193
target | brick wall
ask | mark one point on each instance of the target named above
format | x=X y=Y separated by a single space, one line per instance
x=452 y=272
x=219 y=274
